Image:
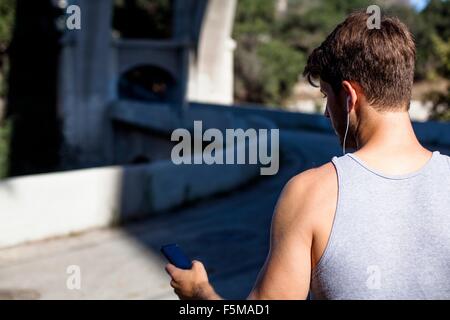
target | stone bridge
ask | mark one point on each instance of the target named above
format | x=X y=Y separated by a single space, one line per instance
x=198 y=57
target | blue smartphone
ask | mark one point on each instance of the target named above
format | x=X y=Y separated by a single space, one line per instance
x=176 y=256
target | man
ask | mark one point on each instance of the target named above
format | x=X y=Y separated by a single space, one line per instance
x=373 y=224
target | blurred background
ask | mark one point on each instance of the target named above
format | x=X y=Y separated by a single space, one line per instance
x=86 y=116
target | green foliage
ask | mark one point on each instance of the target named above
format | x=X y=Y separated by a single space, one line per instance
x=282 y=71
x=273 y=46
x=7 y=15
x=266 y=72
x=5 y=131
x=441 y=105
x=435 y=46
x=7 y=8
x=442 y=50
x=441 y=101
x=307 y=23
x=437 y=14
x=431 y=27
x=7 y=12
x=266 y=68
x=267 y=40
x=254 y=17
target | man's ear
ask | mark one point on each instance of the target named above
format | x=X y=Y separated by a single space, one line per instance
x=351 y=97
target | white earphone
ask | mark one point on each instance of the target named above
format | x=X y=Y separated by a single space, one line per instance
x=348 y=124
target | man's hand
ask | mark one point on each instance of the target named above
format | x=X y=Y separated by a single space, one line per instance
x=191 y=284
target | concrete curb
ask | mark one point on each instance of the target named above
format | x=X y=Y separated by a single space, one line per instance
x=57 y=204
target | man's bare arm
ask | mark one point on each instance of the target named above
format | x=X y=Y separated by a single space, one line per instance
x=286 y=272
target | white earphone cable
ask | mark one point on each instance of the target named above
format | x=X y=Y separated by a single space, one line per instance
x=347 y=127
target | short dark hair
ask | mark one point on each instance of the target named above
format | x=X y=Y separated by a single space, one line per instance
x=380 y=60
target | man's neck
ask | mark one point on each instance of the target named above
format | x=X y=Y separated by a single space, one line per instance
x=388 y=143
x=388 y=131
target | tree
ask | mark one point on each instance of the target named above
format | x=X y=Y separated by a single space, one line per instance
x=32 y=104
x=436 y=15
x=272 y=47
x=7 y=11
x=265 y=68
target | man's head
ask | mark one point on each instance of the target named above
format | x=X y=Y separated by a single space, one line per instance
x=370 y=68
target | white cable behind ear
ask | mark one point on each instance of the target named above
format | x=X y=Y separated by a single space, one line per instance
x=347 y=126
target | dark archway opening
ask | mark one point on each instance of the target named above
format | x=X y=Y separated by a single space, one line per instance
x=146 y=83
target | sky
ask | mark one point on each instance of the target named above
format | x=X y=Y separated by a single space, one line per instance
x=419 y=4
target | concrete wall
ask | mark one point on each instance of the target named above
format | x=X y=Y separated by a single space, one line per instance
x=49 y=205
x=144 y=130
x=148 y=125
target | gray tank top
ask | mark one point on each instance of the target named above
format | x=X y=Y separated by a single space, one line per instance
x=391 y=234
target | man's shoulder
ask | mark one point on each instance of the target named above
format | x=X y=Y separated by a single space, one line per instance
x=308 y=201
x=315 y=180
x=311 y=191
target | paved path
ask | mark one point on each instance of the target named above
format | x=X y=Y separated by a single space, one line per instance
x=229 y=233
